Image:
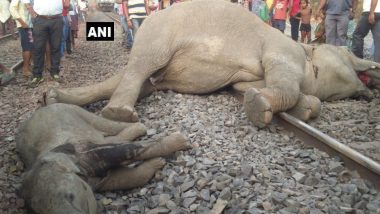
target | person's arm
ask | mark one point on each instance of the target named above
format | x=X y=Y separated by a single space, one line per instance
x=322 y=4
x=371 y=17
x=353 y=9
x=126 y=13
x=29 y=7
x=290 y=7
x=146 y=2
x=13 y=9
x=272 y=6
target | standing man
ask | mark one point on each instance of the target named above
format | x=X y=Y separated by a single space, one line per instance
x=135 y=13
x=336 y=22
x=127 y=36
x=294 y=9
x=370 y=20
x=24 y=23
x=47 y=27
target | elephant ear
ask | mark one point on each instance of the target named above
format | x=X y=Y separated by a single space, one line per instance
x=308 y=51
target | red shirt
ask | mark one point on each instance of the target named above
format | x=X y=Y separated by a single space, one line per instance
x=295 y=8
x=64 y=11
x=280 y=8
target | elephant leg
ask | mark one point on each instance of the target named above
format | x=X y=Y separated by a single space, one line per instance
x=128 y=178
x=306 y=108
x=242 y=87
x=142 y=65
x=122 y=130
x=84 y=95
x=164 y=147
x=281 y=92
x=97 y=159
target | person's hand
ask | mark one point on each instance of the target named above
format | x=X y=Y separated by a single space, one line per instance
x=318 y=14
x=33 y=13
x=371 y=18
x=24 y=25
x=352 y=14
x=129 y=23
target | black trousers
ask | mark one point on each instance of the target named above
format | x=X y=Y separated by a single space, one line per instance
x=47 y=30
x=294 y=27
x=361 y=31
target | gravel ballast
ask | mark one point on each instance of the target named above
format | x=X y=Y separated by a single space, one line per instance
x=233 y=166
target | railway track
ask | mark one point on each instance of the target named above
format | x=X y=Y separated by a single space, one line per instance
x=7 y=36
x=368 y=168
x=13 y=64
x=353 y=160
x=113 y=16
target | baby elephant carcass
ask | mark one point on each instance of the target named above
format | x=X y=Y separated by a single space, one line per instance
x=69 y=153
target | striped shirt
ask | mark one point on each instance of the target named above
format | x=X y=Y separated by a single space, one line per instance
x=136 y=9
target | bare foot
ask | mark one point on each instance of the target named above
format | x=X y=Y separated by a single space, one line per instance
x=26 y=72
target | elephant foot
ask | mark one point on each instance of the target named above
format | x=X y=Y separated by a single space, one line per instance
x=51 y=97
x=306 y=108
x=153 y=164
x=257 y=108
x=166 y=146
x=123 y=113
x=131 y=133
x=74 y=97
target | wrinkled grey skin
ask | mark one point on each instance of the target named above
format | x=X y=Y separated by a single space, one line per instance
x=204 y=46
x=69 y=153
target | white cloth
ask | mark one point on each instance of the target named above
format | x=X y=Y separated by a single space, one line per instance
x=82 y=5
x=4 y=11
x=47 y=7
x=367 y=6
x=74 y=5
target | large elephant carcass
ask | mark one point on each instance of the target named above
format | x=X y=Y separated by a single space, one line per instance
x=199 y=47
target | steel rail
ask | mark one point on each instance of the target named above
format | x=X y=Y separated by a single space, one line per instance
x=17 y=65
x=353 y=160
x=111 y=17
x=7 y=36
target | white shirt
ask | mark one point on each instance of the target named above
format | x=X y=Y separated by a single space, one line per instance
x=47 y=7
x=367 y=6
x=4 y=11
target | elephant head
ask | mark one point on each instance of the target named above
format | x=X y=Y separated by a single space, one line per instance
x=335 y=73
x=55 y=185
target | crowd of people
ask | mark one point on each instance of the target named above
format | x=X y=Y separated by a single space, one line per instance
x=47 y=31
x=337 y=21
x=132 y=14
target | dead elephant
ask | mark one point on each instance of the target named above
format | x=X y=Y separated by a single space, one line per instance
x=206 y=51
x=69 y=153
